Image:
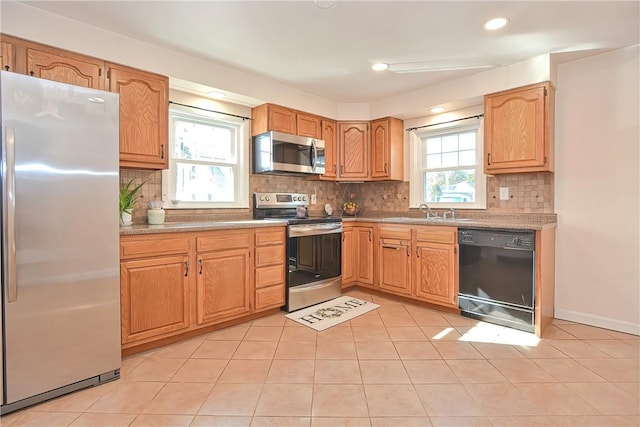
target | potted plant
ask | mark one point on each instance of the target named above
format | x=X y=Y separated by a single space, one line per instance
x=128 y=200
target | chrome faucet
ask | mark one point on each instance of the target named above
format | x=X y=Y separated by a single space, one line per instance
x=451 y=212
x=425 y=208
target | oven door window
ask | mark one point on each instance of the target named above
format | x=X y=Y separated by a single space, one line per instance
x=314 y=258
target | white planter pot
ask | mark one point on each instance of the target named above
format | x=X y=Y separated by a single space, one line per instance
x=125 y=219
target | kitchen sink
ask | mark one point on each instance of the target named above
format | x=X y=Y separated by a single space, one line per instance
x=425 y=220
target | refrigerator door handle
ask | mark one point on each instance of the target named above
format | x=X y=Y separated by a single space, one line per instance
x=9 y=207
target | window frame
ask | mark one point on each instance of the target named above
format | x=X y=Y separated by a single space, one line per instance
x=241 y=165
x=416 y=181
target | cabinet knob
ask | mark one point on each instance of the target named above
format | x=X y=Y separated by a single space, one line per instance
x=31 y=73
x=7 y=68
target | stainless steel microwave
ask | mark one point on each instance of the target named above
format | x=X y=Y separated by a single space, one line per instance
x=277 y=152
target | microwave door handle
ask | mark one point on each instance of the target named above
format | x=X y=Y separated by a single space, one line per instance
x=314 y=151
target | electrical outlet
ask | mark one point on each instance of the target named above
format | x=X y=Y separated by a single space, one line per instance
x=313 y=199
x=504 y=193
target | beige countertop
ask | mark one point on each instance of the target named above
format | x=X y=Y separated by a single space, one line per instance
x=181 y=227
x=484 y=220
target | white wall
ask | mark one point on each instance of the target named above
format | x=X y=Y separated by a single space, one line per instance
x=597 y=191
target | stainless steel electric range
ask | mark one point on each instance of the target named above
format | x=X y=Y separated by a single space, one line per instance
x=314 y=248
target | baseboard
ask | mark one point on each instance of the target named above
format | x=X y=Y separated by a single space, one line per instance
x=598 y=321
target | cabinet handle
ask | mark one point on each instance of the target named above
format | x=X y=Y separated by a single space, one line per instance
x=186 y=268
x=343 y=236
x=201 y=262
x=408 y=253
x=369 y=235
x=341 y=170
x=32 y=73
x=385 y=168
x=391 y=247
x=334 y=168
x=162 y=151
x=545 y=160
x=488 y=158
x=417 y=252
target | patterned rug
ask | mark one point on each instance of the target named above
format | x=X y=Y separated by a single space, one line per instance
x=327 y=314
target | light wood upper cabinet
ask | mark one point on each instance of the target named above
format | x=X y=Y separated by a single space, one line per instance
x=223 y=277
x=144 y=115
x=353 y=148
x=519 y=130
x=63 y=66
x=308 y=125
x=7 y=56
x=330 y=138
x=267 y=117
x=387 y=149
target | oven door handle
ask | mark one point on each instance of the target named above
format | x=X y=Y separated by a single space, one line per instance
x=314 y=230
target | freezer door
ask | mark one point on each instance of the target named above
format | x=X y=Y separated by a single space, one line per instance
x=62 y=313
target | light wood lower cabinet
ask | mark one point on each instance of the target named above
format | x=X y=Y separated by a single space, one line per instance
x=180 y=282
x=269 y=268
x=154 y=297
x=436 y=265
x=394 y=259
x=357 y=255
x=223 y=279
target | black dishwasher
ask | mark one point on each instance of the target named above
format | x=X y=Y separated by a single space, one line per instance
x=497 y=276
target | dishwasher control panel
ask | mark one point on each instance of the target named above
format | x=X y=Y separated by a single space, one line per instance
x=514 y=239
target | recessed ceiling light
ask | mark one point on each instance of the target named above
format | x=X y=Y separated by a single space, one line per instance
x=217 y=94
x=496 y=23
x=379 y=66
x=437 y=109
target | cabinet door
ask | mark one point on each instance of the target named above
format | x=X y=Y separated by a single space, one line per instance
x=65 y=67
x=223 y=285
x=365 y=255
x=380 y=149
x=387 y=149
x=8 y=58
x=353 y=147
x=330 y=150
x=516 y=131
x=436 y=273
x=153 y=297
x=395 y=267
x=349 y=256
x=144 y=112
x=282 y=120
x=308 y=125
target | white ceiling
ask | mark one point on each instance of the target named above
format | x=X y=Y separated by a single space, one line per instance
x=328 y=52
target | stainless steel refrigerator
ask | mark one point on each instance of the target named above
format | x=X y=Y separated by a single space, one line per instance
x=60 y=266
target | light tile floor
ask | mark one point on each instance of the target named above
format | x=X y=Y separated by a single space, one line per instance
x=400 y=365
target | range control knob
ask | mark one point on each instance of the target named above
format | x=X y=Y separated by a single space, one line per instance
x=262 y=198
x=267 y=198
x=304 y=198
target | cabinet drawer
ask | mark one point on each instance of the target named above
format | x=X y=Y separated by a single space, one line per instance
x=269 y=276
x=223 y=240
x=395 y=232
x=436 y=234
x=151 y=247
x=270 y=297
x=269 y=236
x=270 y=255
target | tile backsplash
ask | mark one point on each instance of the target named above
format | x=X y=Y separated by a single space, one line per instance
x=528 y=193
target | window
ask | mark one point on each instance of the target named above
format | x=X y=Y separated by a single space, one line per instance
x=447 y=169
x=207 y=163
